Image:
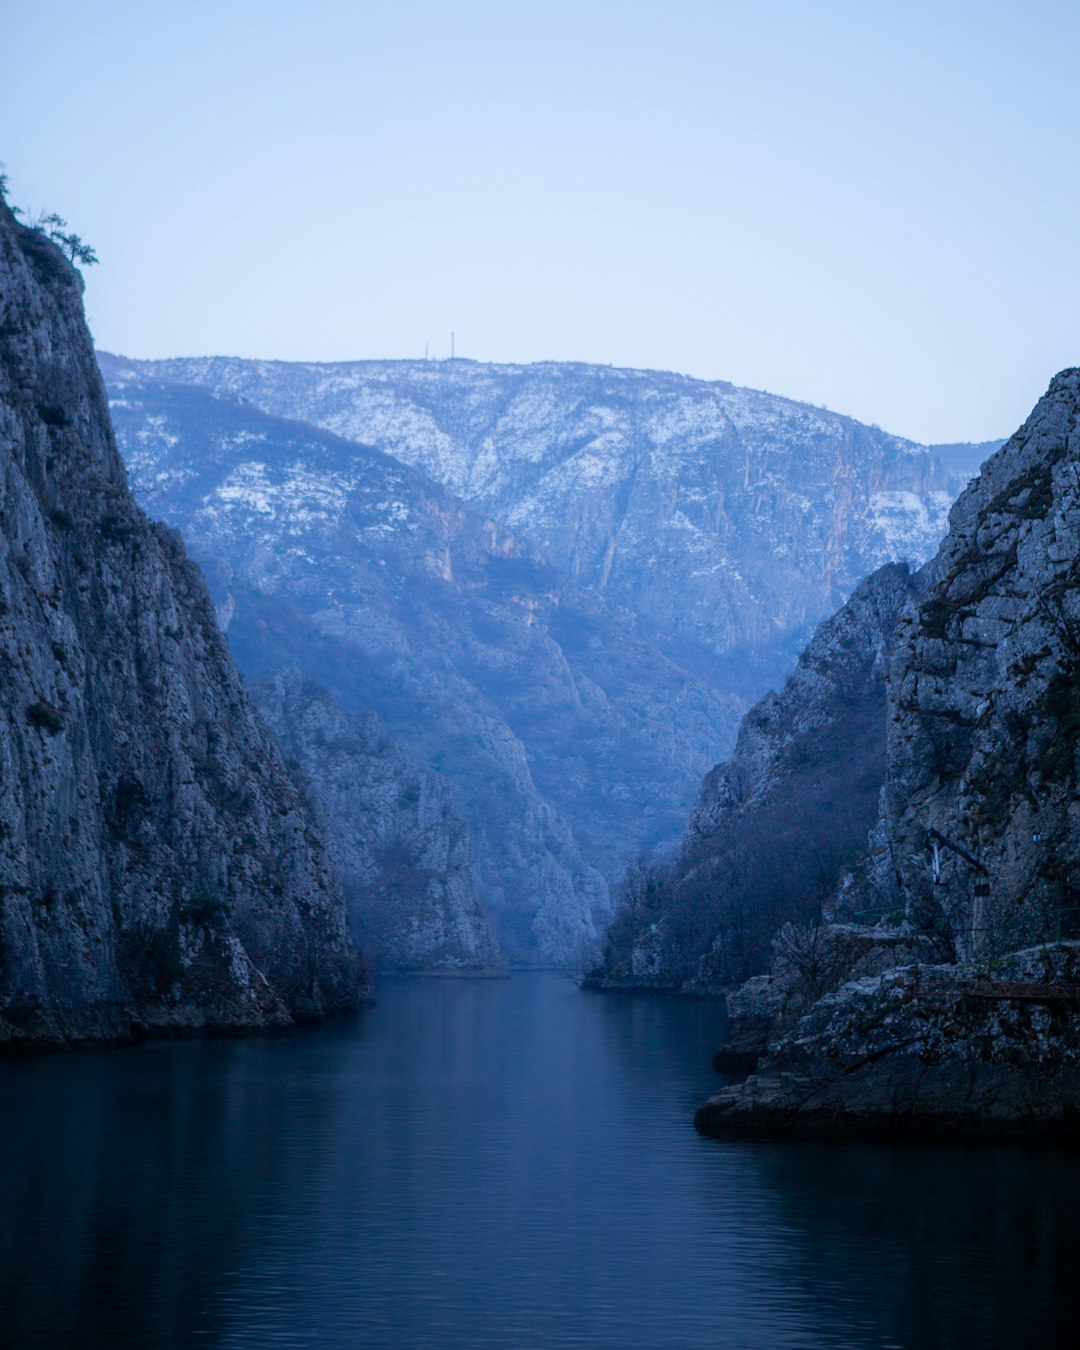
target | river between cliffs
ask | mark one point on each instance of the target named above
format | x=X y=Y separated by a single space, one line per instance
x=495 y=1164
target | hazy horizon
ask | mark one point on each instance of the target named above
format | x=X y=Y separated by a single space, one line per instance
x=862 y=209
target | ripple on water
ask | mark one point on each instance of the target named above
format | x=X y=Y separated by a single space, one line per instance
x=495 y=1164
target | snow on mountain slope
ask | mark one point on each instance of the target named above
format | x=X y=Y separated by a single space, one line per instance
x=568 y=741
x=727 y=521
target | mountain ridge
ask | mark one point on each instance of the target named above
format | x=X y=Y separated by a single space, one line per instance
x=760 y=512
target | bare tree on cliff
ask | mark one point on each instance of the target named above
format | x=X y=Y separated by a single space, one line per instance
x=74 y=245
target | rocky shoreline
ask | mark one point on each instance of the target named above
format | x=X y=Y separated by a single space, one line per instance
x=976 y=1051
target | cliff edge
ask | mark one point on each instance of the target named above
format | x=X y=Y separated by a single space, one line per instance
x=978 y=837
x=158 y=868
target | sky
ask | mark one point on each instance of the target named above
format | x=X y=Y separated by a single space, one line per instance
x=872 y=207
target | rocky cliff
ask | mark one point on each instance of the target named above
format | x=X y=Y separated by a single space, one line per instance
x=775 y=823
x=566 y=738
x=983 y=722
x=404 y=854
x=727 y=521
x=158 y=869
x=978 y=830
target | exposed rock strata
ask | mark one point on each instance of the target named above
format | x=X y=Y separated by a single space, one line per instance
x=158 y=870
x=978 y=833
x=727 y=521
x=972 y=1051
x=984 y=715
x=808 y=961
x=404 y=854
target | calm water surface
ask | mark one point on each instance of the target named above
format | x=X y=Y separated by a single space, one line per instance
x=495 y=1164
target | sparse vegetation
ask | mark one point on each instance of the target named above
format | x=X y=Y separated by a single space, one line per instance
x=45 y=717
x=205 y=907
x=54 y=227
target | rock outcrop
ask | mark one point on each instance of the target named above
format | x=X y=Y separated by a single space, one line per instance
x=158 y=869
x=773 y=824
x=978 y=835
x=404 y=854
x=986 y=1051
x=984 y=716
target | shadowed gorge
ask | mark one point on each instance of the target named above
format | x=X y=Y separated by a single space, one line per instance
x=564 y=700
x=539 y=714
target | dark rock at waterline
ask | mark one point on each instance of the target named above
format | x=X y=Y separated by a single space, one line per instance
x=972 y=1051
x=976 y=845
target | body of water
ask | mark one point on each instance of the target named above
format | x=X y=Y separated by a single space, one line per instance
x=500 y=1164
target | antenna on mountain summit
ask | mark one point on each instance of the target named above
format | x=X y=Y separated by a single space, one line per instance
x=451 y=344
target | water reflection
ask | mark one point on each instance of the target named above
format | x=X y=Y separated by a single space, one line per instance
x=492 y=1164
x=928 y=1246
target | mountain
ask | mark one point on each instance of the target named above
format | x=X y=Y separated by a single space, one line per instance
x=404 y=854
x=158 y=869
x=977 y=837
x=566 y=738
x=725 y=521
x=775 y=822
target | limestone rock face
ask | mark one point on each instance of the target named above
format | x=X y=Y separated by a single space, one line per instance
x=978 y=832
x=728 y=521
x=984 y=717
x=774 y=823
x=925 y=1051
x=158 y=870
x=403 y=851
x=809 y=961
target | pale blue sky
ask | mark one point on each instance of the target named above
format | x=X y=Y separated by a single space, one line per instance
x=870 y=206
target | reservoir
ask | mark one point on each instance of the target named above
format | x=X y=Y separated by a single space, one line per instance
x=501 y=1164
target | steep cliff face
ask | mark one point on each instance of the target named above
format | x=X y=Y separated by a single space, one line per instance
x=774 y=824
x=565 y=738
x=727 y=521
x=984 y=723
x=404 y=854
x=157 y=868
x=978 y=830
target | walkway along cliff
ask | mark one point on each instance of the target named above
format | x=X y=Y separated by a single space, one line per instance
x=158 y=868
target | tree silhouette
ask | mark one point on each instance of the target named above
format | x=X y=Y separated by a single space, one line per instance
x=76 y=248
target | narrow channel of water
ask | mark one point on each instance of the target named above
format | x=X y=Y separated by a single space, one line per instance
x=495 y=1164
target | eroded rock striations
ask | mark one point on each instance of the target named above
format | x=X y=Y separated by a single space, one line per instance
x=727 y=521
x=403 y=851
x=978 y=831
x=158 y=869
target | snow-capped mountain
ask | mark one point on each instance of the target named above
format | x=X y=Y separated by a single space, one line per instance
x=566 y=738
x=727 y=521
